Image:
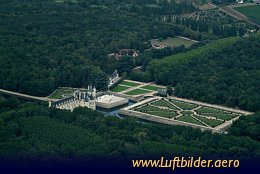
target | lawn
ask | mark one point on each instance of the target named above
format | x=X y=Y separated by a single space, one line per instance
x=59 y=92
x=173 y=42
x=210 y=122
x=183 y=105
x=220 y=114
x=132 y=84
x=252 y=12
x=148 y=108
x=189 y=119
x=164 y=103
x=209 y=110
x=119 y=88
x=223 y=116
x=151 y=87
x=164 y=113
x=137 y=92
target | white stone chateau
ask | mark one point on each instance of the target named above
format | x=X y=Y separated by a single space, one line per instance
x=78 y=99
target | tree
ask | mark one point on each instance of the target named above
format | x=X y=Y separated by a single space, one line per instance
x=169 y=90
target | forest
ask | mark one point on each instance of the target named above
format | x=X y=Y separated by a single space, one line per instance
x=33 y=131
x=48 y=44
x=224 y=72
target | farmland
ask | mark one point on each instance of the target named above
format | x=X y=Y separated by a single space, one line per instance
x=252 y=12
x=173 y=42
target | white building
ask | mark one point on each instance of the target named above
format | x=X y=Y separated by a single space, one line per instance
x=78 y=99
x=113 y=78
x=110 y=101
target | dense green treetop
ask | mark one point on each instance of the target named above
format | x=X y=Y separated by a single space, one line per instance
x=223 y=72
x=33 y=131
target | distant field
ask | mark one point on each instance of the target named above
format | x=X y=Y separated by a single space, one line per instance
x=252 y=12
x=173 y=42
x=206 y=7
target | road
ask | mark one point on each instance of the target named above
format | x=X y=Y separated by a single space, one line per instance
x=25 y=96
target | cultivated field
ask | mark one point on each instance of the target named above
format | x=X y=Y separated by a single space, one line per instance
x=173 y=42
x=252 y=12
x=207 y=6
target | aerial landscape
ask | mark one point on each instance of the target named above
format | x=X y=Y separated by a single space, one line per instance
x=129 y=86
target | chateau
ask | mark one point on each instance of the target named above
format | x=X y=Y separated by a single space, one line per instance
x=80 y=98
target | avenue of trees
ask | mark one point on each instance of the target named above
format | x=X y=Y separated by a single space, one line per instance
x=223 y=72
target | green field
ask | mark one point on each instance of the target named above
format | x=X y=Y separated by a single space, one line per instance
x=221 y=116
x=165 y=114
x=148 y=108
x=151 y=87
x=252 y=12
x=157 y=111
x=184 y=105
x=132 y=84
x=173 y=42
x=137 y=92
x=209 y=110
x=210 y=122
x=189 y=119
x=205 y=111
x=119 y=88
x=168 y=108
x=164 y=103
x=187 y=112
x=59 y=92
